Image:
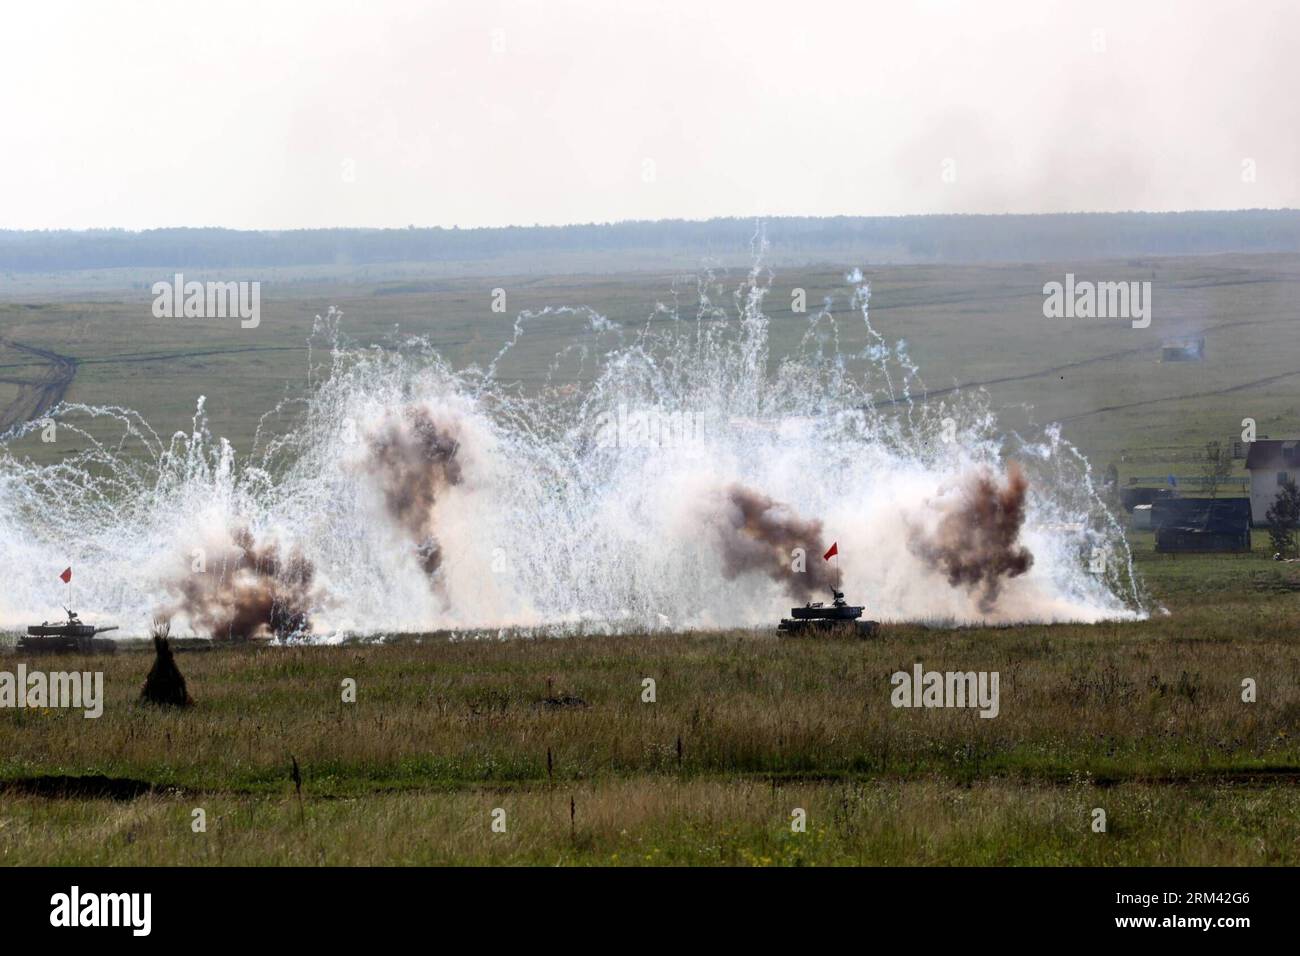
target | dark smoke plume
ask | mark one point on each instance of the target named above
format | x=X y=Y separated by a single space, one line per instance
x=257 y=593
x=757 y=534
x=414 y=460
x=975 y=543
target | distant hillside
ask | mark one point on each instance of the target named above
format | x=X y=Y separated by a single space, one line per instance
x=799 y=239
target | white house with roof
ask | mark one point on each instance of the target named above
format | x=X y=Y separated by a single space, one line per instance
x=1271 y=462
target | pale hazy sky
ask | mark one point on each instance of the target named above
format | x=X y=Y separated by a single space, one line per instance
x=469 y=112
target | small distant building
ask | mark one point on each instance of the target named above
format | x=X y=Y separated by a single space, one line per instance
x=1201 y=524
x=1183 y=350
x=1271 y=463
x=1141 y=520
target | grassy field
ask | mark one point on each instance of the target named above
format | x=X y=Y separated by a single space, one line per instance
x=1145 y=721
x=1101 y=378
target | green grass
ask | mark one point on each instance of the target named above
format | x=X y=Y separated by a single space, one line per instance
x=1102 y=378
x=1144 y=720
x=677 y=822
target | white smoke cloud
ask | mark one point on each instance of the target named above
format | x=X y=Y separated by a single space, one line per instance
x=548 y=523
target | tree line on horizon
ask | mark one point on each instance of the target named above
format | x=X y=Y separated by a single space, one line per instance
x=935 y=238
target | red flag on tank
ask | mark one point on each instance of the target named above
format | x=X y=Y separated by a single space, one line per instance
x=834 y=550
x=66 y=576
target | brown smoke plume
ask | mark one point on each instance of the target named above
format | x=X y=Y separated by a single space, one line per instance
x=757 y=534
x=975 y=543
x=258 y=592
x=413 y=459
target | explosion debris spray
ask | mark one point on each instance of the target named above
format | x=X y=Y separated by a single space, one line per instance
x=404 y=494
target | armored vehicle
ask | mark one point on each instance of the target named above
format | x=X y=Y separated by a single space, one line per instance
x=839 y=619
x=70 y=636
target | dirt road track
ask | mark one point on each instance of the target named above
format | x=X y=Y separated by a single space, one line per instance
x=1244 y=386
x=38 y=393
x=1151 y=347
